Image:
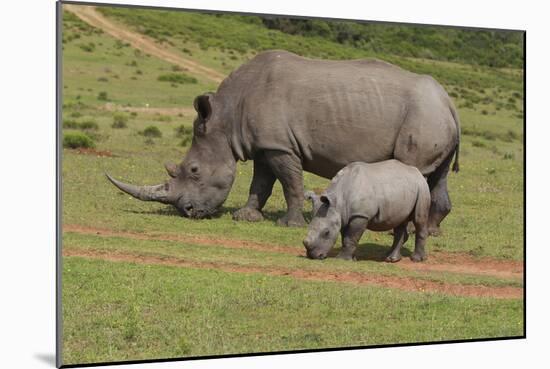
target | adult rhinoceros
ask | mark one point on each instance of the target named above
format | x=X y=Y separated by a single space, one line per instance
x=288 y=113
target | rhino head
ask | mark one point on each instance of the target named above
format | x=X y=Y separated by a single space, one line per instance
x=324 y=227
x=201 y=182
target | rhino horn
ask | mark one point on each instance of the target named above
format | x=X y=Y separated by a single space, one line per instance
x=172 y=169
x=146 y=193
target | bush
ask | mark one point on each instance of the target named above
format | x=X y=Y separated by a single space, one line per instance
x=102 y=96
x=76 y=140
x=89 y=47
x=478 y=144
x=186 y=140
x=182 y=131
x=151 y=131
x=76 y=114
x=509 y=156
x=120 y=120
x=89 y=125
x=177 y=78
x=70 y=124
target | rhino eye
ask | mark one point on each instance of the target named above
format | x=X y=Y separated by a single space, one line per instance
x=194 y=169
x=326 y=233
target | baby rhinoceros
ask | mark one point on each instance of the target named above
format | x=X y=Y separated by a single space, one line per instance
x=379 y=196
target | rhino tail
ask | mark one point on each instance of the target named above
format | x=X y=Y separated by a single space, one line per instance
x=454 y=113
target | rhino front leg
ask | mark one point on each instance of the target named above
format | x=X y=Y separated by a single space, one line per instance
x=351 y=234
x=288 y=170
x=260 y=190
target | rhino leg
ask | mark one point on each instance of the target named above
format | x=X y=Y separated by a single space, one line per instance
x=440 y=201
x=351 y=234
x=421 y=234
x=400 y=236
x=288 y=170
x=260 y=190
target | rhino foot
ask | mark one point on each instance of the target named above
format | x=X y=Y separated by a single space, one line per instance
x=294 y=221
x=248 y=214
x=392 y=258
x=418 y=257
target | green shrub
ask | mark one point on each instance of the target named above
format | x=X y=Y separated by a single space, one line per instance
x=509 y=156
x=186 y=140
x=182 y=131
x=76 y=114
x=163 y=118
x=89 y=47
x=177 y=78
x=89 y=125
x=103 y=79
x=120 y=120
x=70 y=124
x=102 y=96
x=151 y=131
x=76 y=140
x=477 y=143
x=511 y=136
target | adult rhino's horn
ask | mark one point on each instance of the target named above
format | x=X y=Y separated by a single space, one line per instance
x=145 y=193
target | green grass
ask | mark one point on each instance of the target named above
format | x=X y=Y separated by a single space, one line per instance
x=225 y=41
x=119 y=311
x=123 y=311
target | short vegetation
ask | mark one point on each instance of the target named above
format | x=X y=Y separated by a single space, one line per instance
x=75 y=140
x=151 y=132
x=120 y=120
x=178 y=78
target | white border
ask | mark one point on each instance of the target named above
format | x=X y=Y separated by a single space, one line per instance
x=27 y=154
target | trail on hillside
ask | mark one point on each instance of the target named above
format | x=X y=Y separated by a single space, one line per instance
x=404 y=284
x=90 y=15
x=437 y=261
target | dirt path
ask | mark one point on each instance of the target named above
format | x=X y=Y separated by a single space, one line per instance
x=149 y=110
x=90 y=15
x=349 y=277
x=437 y=261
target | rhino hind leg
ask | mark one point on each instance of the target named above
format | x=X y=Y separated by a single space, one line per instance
x=288 y=170
x=260 y=190
x=440 y=201
x=400 y=236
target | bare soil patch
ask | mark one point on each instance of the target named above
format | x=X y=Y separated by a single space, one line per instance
x=149 y=110
x=90 y=15
x=437 y=261
x=94 y=152
x=408 y=284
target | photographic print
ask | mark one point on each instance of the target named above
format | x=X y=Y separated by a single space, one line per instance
x=236 y=184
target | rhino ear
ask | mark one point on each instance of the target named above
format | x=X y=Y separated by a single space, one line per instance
x=315 y=202
x=203 y=106
x=325 y=199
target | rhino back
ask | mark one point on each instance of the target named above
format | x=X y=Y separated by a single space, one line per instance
x=315 y=108
x=384 y=192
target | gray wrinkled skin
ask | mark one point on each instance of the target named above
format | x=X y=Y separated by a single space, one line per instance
x=290 y=114
x=380 y=197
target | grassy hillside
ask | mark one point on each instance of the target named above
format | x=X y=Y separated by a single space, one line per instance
x=233 y=38
x=141 y=282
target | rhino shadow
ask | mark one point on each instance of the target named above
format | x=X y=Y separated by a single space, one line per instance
x=271 y=216
x=376 y=252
